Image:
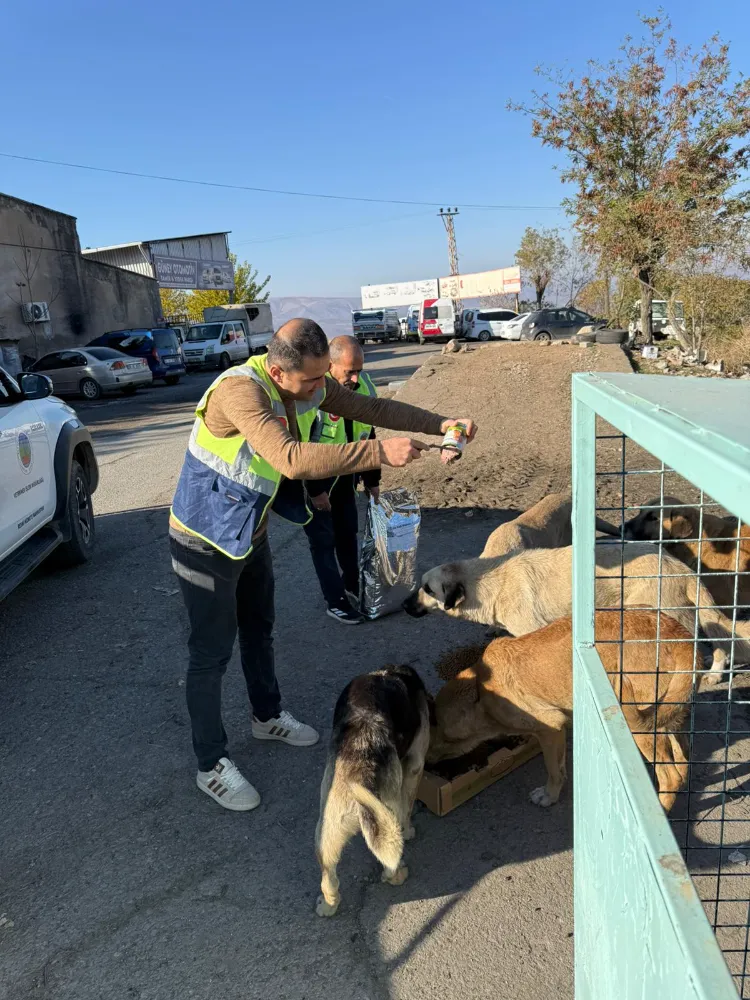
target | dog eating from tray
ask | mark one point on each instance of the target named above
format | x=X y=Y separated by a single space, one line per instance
x=386 y=725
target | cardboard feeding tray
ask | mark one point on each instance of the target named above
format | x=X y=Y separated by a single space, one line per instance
x=451 y=782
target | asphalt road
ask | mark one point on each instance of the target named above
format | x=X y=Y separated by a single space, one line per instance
x=120 y=881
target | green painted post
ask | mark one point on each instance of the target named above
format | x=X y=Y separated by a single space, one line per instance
x=640 y=929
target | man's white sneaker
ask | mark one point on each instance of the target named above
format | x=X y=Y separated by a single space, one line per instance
x=287 y=729
x=228 y=787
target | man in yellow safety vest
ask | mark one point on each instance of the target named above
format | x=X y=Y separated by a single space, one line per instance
x=332 y=532
x=249 y=452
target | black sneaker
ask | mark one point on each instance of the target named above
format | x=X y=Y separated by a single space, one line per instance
x=344 y=613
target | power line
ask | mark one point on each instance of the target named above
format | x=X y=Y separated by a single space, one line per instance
x=336 y=229
x=238 y=243
x=265 y=190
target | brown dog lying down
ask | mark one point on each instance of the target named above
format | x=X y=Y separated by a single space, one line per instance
x=716 y=552
x=525 y=685
x=546 y=525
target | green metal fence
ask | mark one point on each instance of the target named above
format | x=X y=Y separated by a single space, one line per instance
x=641 y=930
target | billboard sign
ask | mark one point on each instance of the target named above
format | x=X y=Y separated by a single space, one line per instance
x=501 y=281
x=402 y=293
x=182 y=272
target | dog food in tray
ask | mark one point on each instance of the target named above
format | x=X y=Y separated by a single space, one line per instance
x=449 y=783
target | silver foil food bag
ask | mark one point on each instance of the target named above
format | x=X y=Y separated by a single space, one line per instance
x=388 y=561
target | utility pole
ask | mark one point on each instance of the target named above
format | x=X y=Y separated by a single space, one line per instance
x=447 y=216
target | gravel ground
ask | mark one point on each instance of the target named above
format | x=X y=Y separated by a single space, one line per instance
x=519 y=394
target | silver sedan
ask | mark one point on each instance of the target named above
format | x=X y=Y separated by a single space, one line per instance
x=93 y=371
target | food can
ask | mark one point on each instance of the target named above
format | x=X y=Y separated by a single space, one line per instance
x=453 y=443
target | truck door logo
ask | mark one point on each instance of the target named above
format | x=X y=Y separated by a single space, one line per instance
x=25 y=455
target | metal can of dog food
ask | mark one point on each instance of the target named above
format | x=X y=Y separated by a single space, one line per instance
x=453 y=443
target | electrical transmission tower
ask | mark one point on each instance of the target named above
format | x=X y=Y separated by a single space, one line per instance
x=447 y=216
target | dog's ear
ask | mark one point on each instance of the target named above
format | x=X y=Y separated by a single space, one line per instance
x=455 y=592
x=680 y=525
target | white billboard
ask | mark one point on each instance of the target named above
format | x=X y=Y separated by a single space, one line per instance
x=400 y=293
x=501 y=281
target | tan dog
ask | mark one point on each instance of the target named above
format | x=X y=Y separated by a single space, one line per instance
x=525 y=685
x=546 y=525
x=715 y=552
x=527 y=590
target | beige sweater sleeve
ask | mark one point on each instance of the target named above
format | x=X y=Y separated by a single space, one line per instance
x=387 y=413
x=240 y=405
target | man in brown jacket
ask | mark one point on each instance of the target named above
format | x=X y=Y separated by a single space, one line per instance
x=249 y=451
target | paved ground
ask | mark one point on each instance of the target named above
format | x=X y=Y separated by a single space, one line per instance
x=121 y=882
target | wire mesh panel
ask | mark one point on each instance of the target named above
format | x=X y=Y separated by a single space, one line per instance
x=661 y=607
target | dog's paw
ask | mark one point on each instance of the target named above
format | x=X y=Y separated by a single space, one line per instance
x=409 y=833
x=324 y=909
x=398 y=878
x=539 y=796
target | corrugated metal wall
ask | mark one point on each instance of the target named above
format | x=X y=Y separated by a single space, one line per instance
x=131 y=258
x=211 y=247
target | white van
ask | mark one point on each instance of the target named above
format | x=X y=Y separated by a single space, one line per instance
x=486 y=324
x=215 y=345
x=660 y=325
x=437 y=320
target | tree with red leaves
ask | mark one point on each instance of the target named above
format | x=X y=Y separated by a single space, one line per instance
x=656 y=147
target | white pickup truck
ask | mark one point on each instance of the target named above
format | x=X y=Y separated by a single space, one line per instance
x=228 y=335
x=49 y=472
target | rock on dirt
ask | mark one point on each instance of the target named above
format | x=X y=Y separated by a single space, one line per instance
x=519 y=396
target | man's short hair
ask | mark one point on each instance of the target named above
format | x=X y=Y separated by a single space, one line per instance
x=295 y=341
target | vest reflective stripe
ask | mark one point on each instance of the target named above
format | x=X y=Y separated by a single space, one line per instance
x=225 y=487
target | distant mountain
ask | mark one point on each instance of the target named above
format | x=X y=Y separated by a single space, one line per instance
x=334 y=315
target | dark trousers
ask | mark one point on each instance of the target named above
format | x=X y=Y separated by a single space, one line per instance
x=333 y=543
x=225 y=597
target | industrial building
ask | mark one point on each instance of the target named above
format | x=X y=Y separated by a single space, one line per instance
x=51 y=295
x=188 y=262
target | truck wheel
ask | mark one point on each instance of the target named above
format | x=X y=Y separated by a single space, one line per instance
x=225 y=362
x=484 y=335
x=80 y=513
x=90 y=389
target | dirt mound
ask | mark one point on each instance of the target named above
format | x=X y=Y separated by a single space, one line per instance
x=519 y=394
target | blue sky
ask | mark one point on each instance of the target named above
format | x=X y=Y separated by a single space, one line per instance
x=390 y=100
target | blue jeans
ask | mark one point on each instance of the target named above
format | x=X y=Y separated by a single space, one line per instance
x=225 y=597
x=333 y=543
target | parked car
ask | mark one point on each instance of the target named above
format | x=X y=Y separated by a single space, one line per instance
x=160 y=348
x=49 y=474
x=375 y=325
x=91 y=371
x=484 y=324
x=216 y=345
x=549 y=324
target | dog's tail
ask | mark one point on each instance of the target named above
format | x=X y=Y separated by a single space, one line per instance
x=607 y=528
x=380 y=826
x=455 y=661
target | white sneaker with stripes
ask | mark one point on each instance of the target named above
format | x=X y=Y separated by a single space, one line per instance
x=287 y=729
x=227 y=786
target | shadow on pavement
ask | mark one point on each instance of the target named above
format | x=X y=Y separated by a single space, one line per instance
x=121 y=880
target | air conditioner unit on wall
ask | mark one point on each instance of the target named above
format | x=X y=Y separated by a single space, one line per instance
x=35 y=312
